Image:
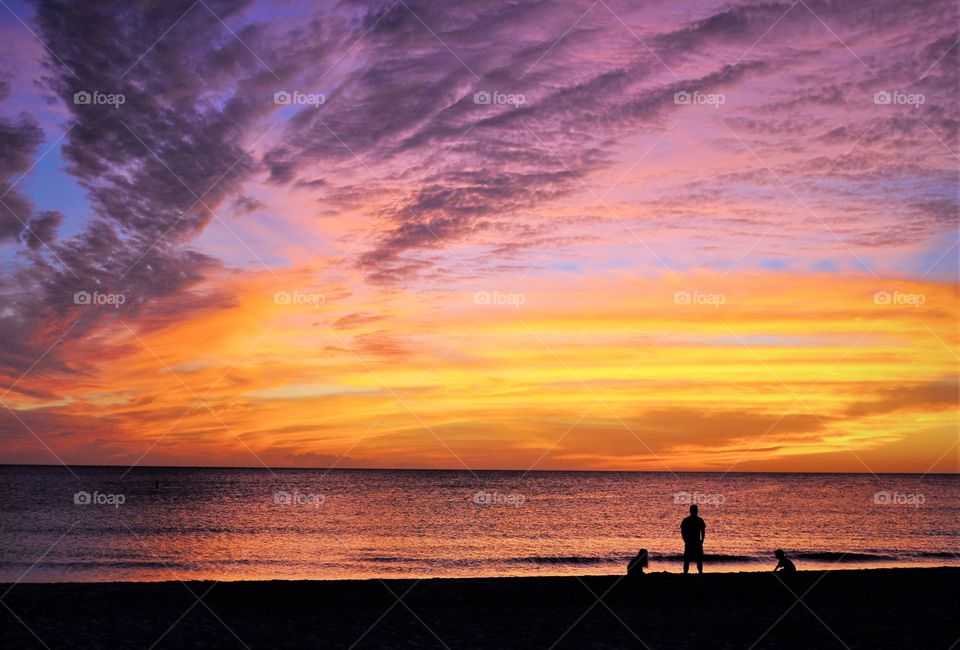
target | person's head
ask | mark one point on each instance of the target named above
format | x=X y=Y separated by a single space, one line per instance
x=694 y=509
x=779 y=554
x=643 y=557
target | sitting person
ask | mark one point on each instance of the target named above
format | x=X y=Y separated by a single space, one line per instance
x=636 y=566
x=785 y=565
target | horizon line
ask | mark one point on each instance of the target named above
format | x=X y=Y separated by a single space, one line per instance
x=472 y=470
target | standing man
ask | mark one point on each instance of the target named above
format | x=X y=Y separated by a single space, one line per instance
x=693 y=530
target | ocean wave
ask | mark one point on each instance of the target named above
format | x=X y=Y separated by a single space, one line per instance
x=710 y=557
x=873 y=556
x=722 y=558
x=561 y=559
x=654 y=557
x=934 y=554
x=841 y=556
x=96 y=564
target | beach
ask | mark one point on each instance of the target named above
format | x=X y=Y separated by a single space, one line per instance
x=872 y=608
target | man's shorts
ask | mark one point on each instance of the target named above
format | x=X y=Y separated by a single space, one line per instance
x=693 y=552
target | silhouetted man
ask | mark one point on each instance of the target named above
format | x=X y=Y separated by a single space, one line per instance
x=693 y=530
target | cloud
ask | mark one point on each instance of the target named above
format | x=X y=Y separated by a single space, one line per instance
x=502 y=162
x=599 y=171
x=917 y=397
x=244 y=205
x=380 y=343
x=19 y=140
x=662 y=430
x=42 y=229
x=357 y=319
x=155 y=167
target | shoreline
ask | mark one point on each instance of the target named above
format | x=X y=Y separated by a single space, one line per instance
x=666 y=565
x=860 y=607
x=714 y=570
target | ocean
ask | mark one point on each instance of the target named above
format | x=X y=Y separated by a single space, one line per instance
x=148 y=524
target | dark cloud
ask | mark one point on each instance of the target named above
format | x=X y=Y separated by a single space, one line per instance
x=155 y=167
x=664 y=429
x=316 y=182
x=32 y=434
x=926 y=397
x=492 y=160
x=356 y=319
x=18 y=143
x=243 y=205
x=42 y=229
x=736 y=26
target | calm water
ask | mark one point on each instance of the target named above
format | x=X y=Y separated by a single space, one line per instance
x=238 y=524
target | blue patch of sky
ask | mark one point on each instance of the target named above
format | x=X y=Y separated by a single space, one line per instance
x=774 y=264
x=50 y=187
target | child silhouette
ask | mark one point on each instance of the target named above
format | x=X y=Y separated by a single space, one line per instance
x=785 y=565
x=636 y=566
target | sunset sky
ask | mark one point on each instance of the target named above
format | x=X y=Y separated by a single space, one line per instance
x=526 y=235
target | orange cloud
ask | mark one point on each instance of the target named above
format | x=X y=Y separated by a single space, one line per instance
x=702 y=372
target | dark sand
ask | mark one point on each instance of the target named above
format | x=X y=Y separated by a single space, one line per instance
x=883 y=608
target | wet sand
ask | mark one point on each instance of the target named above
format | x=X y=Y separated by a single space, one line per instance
x=878 y=608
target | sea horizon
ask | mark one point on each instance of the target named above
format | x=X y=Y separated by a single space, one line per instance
x=146 y=524
x=480 y=469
